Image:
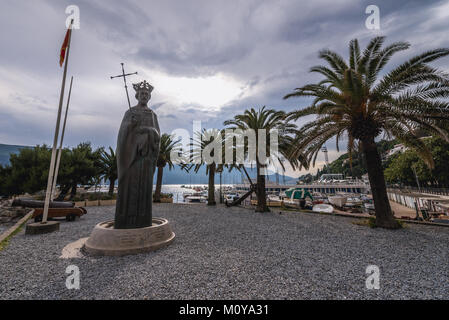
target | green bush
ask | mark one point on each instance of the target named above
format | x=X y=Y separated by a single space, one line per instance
x=100 y=196
x=94 y=196
x=371 y=222
x=166 y=195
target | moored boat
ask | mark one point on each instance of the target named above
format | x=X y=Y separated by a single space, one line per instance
x=196 y=197
x=354 y=202
x=322 y=207
x=338 y=200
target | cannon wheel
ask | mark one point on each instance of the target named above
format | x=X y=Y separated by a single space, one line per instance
x=71 y=217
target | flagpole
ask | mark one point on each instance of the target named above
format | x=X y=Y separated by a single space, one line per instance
x=55 y=140
x=59 y=152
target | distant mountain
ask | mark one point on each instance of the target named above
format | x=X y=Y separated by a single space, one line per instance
x=175 y=176
x=6 y=150
x=178 y=176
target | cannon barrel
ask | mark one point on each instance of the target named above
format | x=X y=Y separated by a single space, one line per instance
x=27 y=203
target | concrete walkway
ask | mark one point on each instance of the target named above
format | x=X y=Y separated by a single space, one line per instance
x=402 y=211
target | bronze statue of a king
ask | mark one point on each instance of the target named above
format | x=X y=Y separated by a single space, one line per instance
x=137 y=152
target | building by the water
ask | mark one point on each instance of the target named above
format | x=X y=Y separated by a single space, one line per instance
x=323 y=187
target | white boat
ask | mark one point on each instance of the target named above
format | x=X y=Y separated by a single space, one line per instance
x=354 y=202
x=323 y=208
x=369 y=205
x=186 y=194
x=230 y=197
x=274 y=198
x=338 y=201
x=196 y=197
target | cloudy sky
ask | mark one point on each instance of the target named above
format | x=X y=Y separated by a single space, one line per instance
x=208 y=60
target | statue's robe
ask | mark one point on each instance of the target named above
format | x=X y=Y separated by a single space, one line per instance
x=137 y=152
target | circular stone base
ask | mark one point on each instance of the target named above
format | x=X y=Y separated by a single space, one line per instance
x=41 y=228
x=107 y=241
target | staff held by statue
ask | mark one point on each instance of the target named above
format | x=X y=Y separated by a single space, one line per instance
x=123 y=75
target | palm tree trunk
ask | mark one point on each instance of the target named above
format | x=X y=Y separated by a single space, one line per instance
x=157 y=193
x=261 y=193
x=384 y=216
x=111 y=187
x=211 y=191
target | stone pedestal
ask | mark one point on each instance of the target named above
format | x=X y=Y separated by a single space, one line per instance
x=107 y=241
x=41 y=228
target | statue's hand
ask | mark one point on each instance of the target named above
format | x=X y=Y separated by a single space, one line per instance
x=156 y=140
x=148 y=130
x=149 y=140
x=153 y=136
x=134 y=120
x=142 y=145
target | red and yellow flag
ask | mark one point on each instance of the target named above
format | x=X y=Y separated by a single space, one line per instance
x=64 y=47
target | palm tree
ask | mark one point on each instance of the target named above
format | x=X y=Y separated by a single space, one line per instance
x=201 y=143
x=168 y=145
x=108 y=168
x=351 y=100
x=267 y=119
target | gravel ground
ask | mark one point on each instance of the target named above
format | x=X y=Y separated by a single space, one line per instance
x=5 y=226
x=235 y=253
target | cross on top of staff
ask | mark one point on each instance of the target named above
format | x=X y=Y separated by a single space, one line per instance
x=123 y=75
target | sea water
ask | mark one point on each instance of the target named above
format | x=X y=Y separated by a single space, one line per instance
x=177 y=190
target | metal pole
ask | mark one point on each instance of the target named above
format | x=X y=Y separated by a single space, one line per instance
x=55 y=140
x=62 y=139
x=126 y=86
x=247 y=175
x=221 y=195
x=124 y=80
x=416 y=177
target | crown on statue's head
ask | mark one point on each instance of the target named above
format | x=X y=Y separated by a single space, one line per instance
x=143 y=86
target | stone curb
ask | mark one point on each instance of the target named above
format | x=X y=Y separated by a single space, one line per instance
x=19 y=223
x=108 y=203
x=402 y=220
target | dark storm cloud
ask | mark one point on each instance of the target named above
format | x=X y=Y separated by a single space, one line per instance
x=266 y=48
x=202 y=60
